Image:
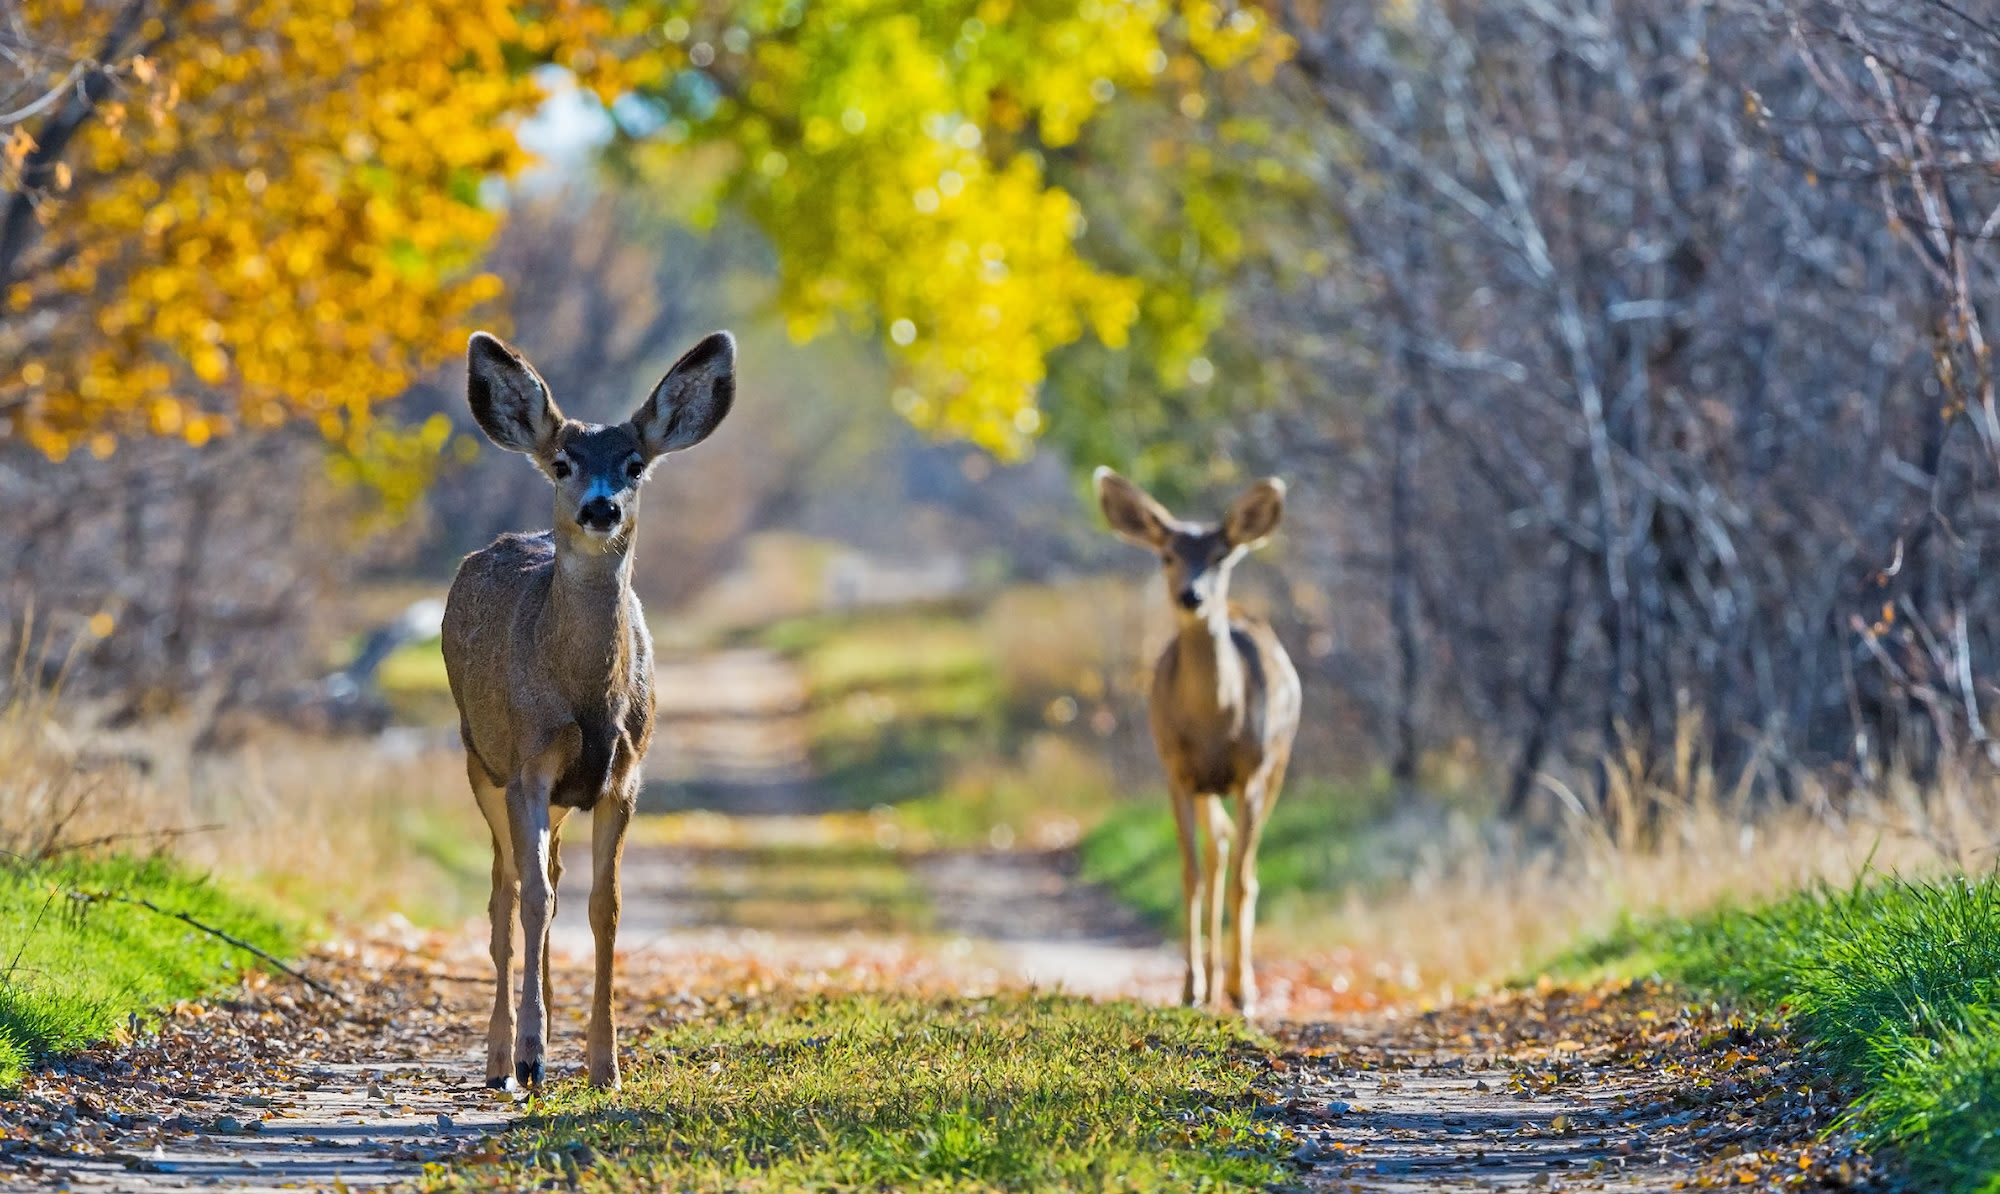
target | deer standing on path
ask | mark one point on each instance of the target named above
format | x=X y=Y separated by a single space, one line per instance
x=1224 y=707
x=551 y=666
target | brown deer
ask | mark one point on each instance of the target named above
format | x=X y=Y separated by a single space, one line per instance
x=552 y=668
x=1224 y=707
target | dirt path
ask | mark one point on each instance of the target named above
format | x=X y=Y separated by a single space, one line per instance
x=1617 y=1089
x=266 y=1090
x=1613 y=1088
x=733 y=734
x=270 y=1089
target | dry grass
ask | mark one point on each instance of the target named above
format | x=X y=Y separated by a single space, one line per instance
x=1672 y=842
x=332 y=827
x=1093 y=637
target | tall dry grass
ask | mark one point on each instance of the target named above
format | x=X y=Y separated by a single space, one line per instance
x=337 y=828
x=1482 y=908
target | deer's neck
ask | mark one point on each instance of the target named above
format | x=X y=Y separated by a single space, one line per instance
x=589 y=604
x=1208 y=672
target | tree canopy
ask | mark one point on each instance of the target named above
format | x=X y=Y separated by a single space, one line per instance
x=220 y=215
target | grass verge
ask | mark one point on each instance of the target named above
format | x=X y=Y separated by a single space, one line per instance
x=1894 y=984
x=76 y=973
x=905 y=1091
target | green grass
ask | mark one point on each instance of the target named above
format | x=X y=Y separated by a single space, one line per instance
x=896 y=1092
x=1896 y=986
x=1053 y=789
x=413 y=682
x=896 y=699
x=73 y=974
x=1317 y=844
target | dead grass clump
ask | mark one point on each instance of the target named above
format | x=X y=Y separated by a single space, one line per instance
x=56 y=797
x=1484 y=907
x=358 y=828
x=334 y=827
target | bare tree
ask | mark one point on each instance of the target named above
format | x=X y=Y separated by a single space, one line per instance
x=1620 y=386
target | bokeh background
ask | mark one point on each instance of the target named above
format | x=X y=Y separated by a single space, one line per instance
x=1628 y=361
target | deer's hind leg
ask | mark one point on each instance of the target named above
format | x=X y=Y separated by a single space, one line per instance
x=1194 y=987
x=557 y=816
x=608 y=822
x=1215 y=867
x=501 y=907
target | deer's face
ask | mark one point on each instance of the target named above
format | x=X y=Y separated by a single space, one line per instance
x=1196 y=557
x=597 y=470
x=1197 y=560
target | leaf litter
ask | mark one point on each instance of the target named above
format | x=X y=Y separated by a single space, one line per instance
x=1617 y=1086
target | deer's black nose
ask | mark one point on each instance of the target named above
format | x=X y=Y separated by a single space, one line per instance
x=1189 y=599
x=598 y=514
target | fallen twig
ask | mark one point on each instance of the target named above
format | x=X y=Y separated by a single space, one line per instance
x=58 y=849
x=87 y=897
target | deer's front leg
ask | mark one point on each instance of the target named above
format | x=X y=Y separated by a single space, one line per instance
x=500 y=911
x=528 y=812
x=1252 y=810
x=608 y=822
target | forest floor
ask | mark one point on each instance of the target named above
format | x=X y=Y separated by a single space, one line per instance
x=270 y=1087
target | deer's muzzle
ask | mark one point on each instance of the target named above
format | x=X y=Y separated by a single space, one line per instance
x=598 y=514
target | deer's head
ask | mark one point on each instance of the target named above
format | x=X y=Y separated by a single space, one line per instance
x=597 y=470
x=1196 y=556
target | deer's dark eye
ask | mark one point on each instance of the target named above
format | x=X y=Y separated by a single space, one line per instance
x=635 y=468
x=560 y=467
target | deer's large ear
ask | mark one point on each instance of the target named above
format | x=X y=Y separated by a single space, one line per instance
x=1253 y=516
x=691 y=400
x=509 y=400
x=1131 y=511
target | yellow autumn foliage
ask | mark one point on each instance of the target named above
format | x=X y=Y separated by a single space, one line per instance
x=275 y=214
x=894 y=152
x=279 y=209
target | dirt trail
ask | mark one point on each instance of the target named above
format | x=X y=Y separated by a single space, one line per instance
x=268 y=1090
x=733 y=734
x=1616 y=1089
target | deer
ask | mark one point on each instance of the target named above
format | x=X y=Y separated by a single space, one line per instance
x=551 y=666
x=1223 y=710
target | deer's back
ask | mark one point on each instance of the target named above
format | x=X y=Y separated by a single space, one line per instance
x=1216 y=745
x=513 y=675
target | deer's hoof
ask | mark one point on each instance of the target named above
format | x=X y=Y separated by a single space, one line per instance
x=528 y=1073
x=500 y=1082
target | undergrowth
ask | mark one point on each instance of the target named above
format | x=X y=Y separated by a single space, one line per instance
x=74 y=973
x=1894 y=984
x=905 y=1091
